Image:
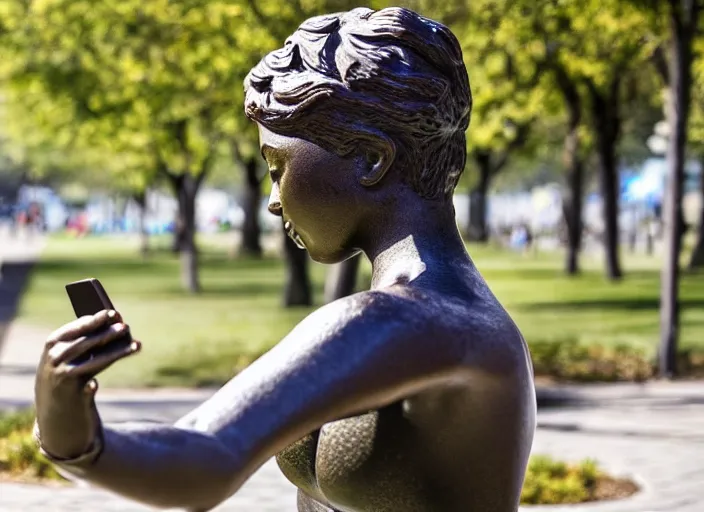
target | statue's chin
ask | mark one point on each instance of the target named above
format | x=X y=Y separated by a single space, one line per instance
x=332 y=258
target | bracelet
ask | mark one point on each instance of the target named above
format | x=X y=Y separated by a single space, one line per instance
x=86 y=458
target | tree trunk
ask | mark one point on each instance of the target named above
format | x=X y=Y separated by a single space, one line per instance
x=252 y=196
x=477 y=229
x=178 y=240
x=697 y=258
x=607 y=124
x=573 y=215
x=140 y=198
x=683 y=23
x=609 y=190
x=297 y=289
x=573 y=199
x=186 y=189
x=342 y=279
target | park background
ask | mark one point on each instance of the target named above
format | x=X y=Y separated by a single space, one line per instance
x=125 y=155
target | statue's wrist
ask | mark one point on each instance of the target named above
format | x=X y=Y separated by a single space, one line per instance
x=88 y=457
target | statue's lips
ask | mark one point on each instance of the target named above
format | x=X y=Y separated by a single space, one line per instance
x=291 y=232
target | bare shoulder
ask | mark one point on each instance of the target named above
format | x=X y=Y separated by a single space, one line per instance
x=468 y=332
x=389 y=314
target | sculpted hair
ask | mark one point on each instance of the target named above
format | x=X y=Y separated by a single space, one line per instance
x=362 y=79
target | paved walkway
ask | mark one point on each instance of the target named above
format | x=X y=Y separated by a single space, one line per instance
x=653 y=433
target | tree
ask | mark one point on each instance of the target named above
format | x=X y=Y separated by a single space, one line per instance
x=503 y=110
x=297 y=290
x=683 y=21
x=157 y=78
x=530 y=25
x=573 y=161
x=506 y=99
x=696 y=138
x=586 y=52
x=251 y=194
x=506 y=96
x=596 y=46
x=63 y=151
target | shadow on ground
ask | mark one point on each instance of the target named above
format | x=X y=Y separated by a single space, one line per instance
x=14 y=276
x=629 y=304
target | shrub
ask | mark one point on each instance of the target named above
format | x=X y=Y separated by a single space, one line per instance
x=19 y=456
x=16 y=420
x=571 y=361
x=551 y=482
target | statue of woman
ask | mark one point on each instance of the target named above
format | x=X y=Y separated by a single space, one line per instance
x=414 y=396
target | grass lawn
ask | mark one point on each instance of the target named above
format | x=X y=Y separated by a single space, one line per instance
x=203 y=340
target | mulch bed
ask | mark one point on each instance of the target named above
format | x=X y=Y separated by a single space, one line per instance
x=608 y=488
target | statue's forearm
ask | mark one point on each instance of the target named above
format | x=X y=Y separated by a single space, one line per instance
x=164 y=466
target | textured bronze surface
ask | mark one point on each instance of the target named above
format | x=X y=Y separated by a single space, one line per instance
x=414 y=396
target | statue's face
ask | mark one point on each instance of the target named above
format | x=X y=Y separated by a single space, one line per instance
x=318 y=194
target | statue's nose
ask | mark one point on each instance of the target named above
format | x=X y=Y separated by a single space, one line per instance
x=274 y=201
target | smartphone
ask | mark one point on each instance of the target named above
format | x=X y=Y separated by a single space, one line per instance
x=88 y=297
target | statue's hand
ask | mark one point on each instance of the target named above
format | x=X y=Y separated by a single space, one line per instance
x=67 y=419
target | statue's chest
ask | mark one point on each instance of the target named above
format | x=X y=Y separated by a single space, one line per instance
x=366 y=462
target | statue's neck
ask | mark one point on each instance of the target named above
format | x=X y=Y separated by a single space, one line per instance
x=410 y=250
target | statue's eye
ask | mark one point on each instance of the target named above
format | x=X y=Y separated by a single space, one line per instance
x=271 y=157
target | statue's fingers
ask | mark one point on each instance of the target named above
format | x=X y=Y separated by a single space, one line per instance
x=103 y=361
x=66 y=352
x=84 y=326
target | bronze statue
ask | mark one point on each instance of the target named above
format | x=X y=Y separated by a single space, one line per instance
x=414 y=396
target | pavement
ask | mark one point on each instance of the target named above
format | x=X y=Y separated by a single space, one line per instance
x=653 y=433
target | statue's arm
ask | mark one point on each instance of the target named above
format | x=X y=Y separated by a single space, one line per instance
x=354 y=355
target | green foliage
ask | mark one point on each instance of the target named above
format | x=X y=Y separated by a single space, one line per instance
x=17 y=420
x=137 y=90
x=137 y=85
x=132 y=87
x=571 y=361
x=19 y=456
x=551 y=482
x=148 y=84
x=696 y=120
x=507 y=85
x=508 y=89
x=513 y=50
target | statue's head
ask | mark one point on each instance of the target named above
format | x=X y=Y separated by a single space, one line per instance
x=355 y=102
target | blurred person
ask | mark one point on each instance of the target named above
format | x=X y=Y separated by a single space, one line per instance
x=519 y=237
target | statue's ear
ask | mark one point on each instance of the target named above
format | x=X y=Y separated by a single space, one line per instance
x=379 y=160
